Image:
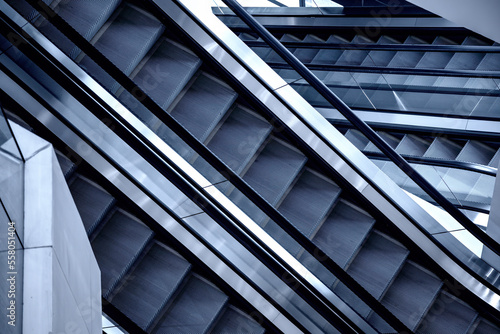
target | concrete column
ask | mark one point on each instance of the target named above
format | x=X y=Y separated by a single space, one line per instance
x=61 y=278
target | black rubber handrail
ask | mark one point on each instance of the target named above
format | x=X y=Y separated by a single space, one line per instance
x=384 y=47
x=393 y=70
x=128 y=84
x=408 y=88
x=298 y=66
x=319 y=256
x=212 y=208
x=463 y=165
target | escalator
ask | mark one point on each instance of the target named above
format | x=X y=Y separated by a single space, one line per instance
x=404 y=75
x=467 y=188
x=390 y=73
x=145 y=279
x=134 y=263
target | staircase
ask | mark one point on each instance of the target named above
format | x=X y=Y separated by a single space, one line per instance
x=153 y=285
x=145 y=279
x=460 y=186
x=361 y=84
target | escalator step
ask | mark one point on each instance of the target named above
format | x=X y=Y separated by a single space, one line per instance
x=377 y=263
x=485 y=327
x=442 y=148
x=146 y=290
x=329 y=56
x=309 y=201
x=117 y=246
x=274 y=170
x=389 y=139
x=25 y=9
x=490 y=62
x=436 y=59
x=247 y=37
x=125 y=41
x=203 y=105
x=495 y=161
x=410 y=296
x=239 y=138
x=305 y=206
x=482 y=191
x=412 y=145
x=476 y=152
x=163 y=76
x=457 y=183
x=379 y=57
x=487 y=107
x=272 y=56
x=357 y=139
x=354 y=57
x=195 y=309
x=67 y=166
x=448 y=315
x=306 y=55
x=343 y=232
x=470 y=40
x=87 y=17
x=465 y=61
x=234 y=321
x=408 y=58
x=261 y=51
x=270 y=175
x=375 y=266
x=92 y=201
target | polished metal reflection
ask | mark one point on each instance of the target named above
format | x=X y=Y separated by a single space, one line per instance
x=365 y=169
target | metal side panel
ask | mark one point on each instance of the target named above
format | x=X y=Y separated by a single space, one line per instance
x=151 y=207
x=373 y=184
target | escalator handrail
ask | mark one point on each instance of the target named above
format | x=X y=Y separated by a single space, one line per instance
x=129 y=85
x=346 y=111
x=394 y=70
x=462 y=165
x=217 y=212
x=384 y=47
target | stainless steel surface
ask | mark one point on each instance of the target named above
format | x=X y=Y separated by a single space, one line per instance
x=335 y=157
x=157 y=213
x=419 y=121
x=339 y=21
x=364 y=170
x=145 y=174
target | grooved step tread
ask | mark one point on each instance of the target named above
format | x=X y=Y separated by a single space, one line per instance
x=163 y=76
x=343 y=232
x=409 y=296
x=203 y=105
x=145 y=291
x=448 y=316
x=274 y=170
x=124 y=42
x=86 y=17
x=116 y=246
x=239 y=138
x=194 y=310
x=377 y=262
x=91 y=201
x=234 y=321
